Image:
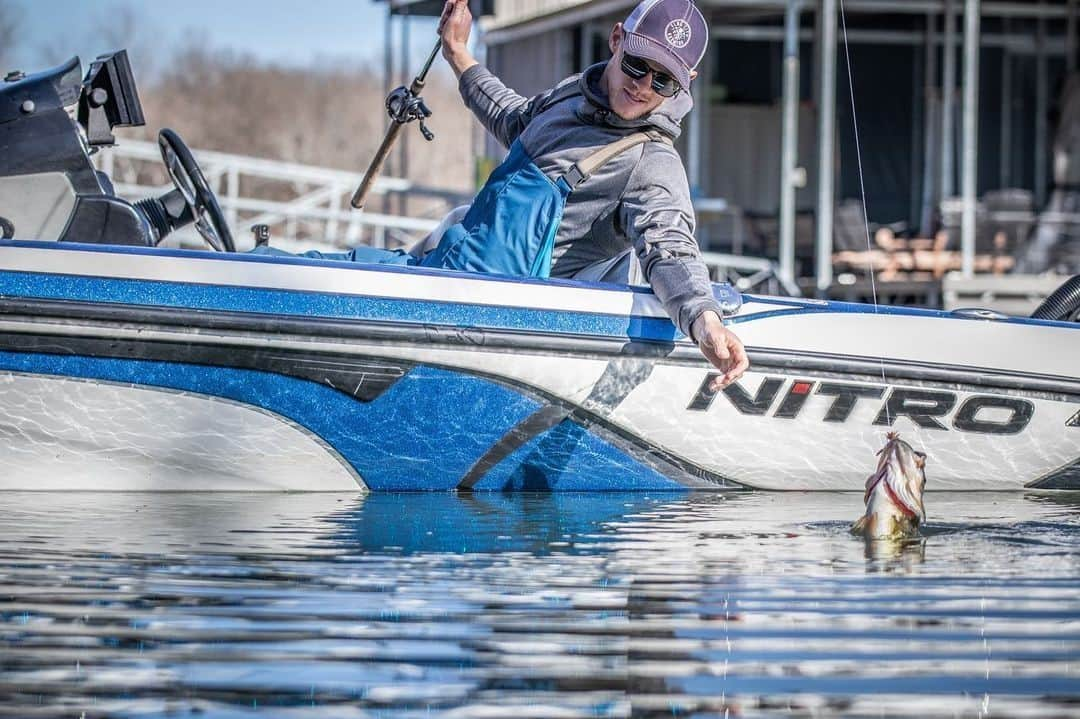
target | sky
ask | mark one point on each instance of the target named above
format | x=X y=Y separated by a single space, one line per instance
x=285 y=32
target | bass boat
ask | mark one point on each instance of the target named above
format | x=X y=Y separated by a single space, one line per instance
x=129 y=366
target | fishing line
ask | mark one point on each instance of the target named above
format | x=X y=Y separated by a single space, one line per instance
x=862 y=188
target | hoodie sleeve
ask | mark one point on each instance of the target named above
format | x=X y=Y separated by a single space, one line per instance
x=658 y=217
x=503 y=112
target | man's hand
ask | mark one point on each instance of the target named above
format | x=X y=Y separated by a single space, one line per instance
x=455 y=24
x=721 y=347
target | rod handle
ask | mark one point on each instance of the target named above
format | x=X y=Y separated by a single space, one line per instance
x=360 y=196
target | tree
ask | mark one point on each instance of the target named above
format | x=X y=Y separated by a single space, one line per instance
x=221 y=100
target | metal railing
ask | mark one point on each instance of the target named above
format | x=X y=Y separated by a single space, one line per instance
x=756 y=275
x=306 y=207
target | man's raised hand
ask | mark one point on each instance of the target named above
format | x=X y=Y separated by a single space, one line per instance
x=455 y=24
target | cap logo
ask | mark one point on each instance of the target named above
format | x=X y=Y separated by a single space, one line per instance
x=677 y=33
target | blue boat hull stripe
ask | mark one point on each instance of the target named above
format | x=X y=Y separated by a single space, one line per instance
x=307 y=304
x=519 y=435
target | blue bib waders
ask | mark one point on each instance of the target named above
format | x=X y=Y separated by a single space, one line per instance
x=511 y=225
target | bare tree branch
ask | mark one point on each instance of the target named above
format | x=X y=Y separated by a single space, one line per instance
x=219 y=100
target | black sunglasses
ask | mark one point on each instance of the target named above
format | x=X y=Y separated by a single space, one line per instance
x=664 y=85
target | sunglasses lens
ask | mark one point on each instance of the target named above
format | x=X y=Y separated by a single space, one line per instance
x=663 y=84
x=635 y=67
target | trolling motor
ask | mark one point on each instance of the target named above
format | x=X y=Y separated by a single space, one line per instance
x=404 y=105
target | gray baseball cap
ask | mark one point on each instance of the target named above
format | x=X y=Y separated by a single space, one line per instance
x=671 y=33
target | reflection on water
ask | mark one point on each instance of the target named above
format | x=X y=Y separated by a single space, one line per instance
x=748 y=605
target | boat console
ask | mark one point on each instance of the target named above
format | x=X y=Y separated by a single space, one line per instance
x=51 y=123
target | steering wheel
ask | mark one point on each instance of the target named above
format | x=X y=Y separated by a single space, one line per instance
x=192 y=184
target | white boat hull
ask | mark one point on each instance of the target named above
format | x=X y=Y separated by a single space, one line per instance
x=150 y=370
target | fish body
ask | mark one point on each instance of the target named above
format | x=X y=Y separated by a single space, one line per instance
x=894 y=493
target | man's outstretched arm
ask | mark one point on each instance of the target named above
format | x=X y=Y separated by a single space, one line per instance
x=659 y=219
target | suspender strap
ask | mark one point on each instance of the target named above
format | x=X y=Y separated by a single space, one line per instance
x=583 y=170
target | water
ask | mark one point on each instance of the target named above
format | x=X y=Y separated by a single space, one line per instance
x=705 y=605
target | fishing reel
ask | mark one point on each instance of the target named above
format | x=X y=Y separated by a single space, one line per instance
x=403 y=105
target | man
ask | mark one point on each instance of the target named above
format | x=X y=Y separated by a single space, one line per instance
x=640 y=198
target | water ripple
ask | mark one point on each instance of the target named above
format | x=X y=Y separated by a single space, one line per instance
x=714 y=605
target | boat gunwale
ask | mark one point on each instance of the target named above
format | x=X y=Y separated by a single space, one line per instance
x=642 y=298
x=293 y=333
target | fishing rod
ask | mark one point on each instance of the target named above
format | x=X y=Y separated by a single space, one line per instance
x=404 y=105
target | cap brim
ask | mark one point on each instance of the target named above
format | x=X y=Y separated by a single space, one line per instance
x=644 y=47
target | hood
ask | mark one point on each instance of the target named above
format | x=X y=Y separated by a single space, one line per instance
x=666 y=118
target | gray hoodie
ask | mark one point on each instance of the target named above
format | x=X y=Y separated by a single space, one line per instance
x=640 y=198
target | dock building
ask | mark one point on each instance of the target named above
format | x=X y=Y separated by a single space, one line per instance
x=957 y=120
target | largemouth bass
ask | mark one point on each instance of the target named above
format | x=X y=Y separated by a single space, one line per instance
x=894 y=493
